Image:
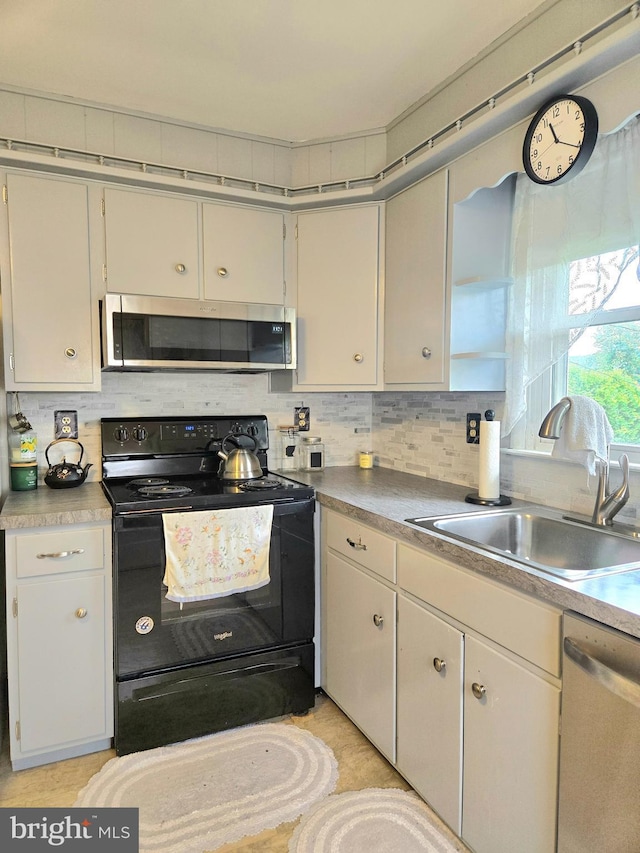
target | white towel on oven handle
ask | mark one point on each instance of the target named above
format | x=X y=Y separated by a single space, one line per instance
x=213 y=553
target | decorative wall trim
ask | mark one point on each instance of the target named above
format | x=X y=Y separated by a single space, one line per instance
x=583 y=60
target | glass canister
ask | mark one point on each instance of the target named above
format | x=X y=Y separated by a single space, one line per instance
x=311 y=453
x=288 y=448
x=23 y=465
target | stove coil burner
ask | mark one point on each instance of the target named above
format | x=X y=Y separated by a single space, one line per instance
x=163 y=491
x=147 y=481
x=259 y=485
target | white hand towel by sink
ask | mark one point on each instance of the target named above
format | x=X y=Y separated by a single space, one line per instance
x=214 y=553
x=585 y=434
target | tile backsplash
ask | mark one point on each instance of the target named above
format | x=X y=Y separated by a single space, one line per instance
x=420 y=433
x=343 y=420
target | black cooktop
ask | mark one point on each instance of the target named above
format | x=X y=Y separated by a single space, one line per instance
x=144 y=494
x=173 y=463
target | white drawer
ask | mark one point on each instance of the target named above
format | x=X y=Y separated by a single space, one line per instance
x=363 y=544
x=529 y=628
x=59 y=551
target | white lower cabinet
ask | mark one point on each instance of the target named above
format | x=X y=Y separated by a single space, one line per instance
x=472 y=718
x=430 y=668
x=510 y=769
x=359 y=626
x=59 y=642
x=360 y=650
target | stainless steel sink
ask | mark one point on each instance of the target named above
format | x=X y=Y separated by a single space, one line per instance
x=542 y=539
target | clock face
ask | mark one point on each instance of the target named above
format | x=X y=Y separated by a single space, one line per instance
x=560 y=139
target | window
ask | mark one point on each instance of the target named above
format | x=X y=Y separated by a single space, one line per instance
x=573 y=319
x=603 y=359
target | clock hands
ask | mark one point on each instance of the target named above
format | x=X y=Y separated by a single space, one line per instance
x=561 y=141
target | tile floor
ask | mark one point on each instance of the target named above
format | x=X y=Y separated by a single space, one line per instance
x=360 y=766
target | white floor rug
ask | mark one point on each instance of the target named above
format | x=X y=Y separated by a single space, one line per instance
x=376 y=820
x=208 y=792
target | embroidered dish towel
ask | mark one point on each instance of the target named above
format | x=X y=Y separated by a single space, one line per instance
x=214 y=553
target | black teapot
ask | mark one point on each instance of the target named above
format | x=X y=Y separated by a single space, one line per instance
x=65 y=475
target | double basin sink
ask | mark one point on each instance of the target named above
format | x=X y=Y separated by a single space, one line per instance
x=541 y=539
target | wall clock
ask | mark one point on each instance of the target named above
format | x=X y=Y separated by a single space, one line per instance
x=560 y=139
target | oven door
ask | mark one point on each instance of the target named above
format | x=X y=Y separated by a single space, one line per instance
x=153 y=634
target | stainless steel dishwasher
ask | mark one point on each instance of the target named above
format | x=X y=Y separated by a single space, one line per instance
x=599 y=805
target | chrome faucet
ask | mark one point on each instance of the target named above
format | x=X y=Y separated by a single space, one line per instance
x=607 y=506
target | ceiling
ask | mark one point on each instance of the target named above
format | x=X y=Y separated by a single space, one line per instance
x=286 y=69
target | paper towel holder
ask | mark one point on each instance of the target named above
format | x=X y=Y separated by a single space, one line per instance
x=474 y=497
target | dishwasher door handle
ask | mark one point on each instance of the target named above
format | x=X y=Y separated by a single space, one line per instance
x=616 y=682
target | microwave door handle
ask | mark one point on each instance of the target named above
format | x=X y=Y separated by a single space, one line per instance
x=614 y=681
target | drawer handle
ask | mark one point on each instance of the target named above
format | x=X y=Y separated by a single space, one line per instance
x=478 y=690
x=426 y=352
x=223 y=272
x=439 y=664
x=181 y=269
x=81 y=612
x=56 y=555
x=71 y=352
x=357 y=545
x=378 y=621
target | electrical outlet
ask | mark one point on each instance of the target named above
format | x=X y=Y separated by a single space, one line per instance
x=302 y=418
x=65 y=424
x=473 y=427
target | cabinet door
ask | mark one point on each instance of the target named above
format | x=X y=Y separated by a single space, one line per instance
x=151 y=244
x=360 y=655
x=243 y=254
x=61 y=662
x=430 y=661
x=338 y=297
x=51 y=328
x=415 y=249
x=510 y=755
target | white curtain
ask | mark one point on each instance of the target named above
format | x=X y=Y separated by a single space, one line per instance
x=598 y=211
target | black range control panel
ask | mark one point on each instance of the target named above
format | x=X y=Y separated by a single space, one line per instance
x=146 y=436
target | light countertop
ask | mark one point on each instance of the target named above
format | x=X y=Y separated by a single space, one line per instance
x=44 y=507
x=383 y=499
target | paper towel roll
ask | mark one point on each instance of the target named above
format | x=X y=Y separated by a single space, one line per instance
x=489 y=473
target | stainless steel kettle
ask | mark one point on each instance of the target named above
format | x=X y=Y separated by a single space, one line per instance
x=65 y=475
x=240 y=463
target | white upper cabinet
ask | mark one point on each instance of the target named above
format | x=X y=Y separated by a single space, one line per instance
x=50 y=319
x=416 y=251
x=338 y=293
x=243 y=254
x=152 y=244
x=480 y=261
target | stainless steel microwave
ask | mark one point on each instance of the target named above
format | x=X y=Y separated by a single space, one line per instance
x=156 y=333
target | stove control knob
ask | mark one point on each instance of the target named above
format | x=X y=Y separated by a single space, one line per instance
x=140 y=433
x=121 y=434
x=252 y=430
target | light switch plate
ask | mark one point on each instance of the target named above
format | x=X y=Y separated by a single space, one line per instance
x=65 y=424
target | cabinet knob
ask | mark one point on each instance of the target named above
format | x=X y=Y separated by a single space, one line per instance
x=439 y=664
x=358 y=357
x=181 y=269
x=223 y=272
x=426 y=352
x=378 y=621
x=81 y=612
x=71 y=352
x=478 y=690
x=358 y=546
